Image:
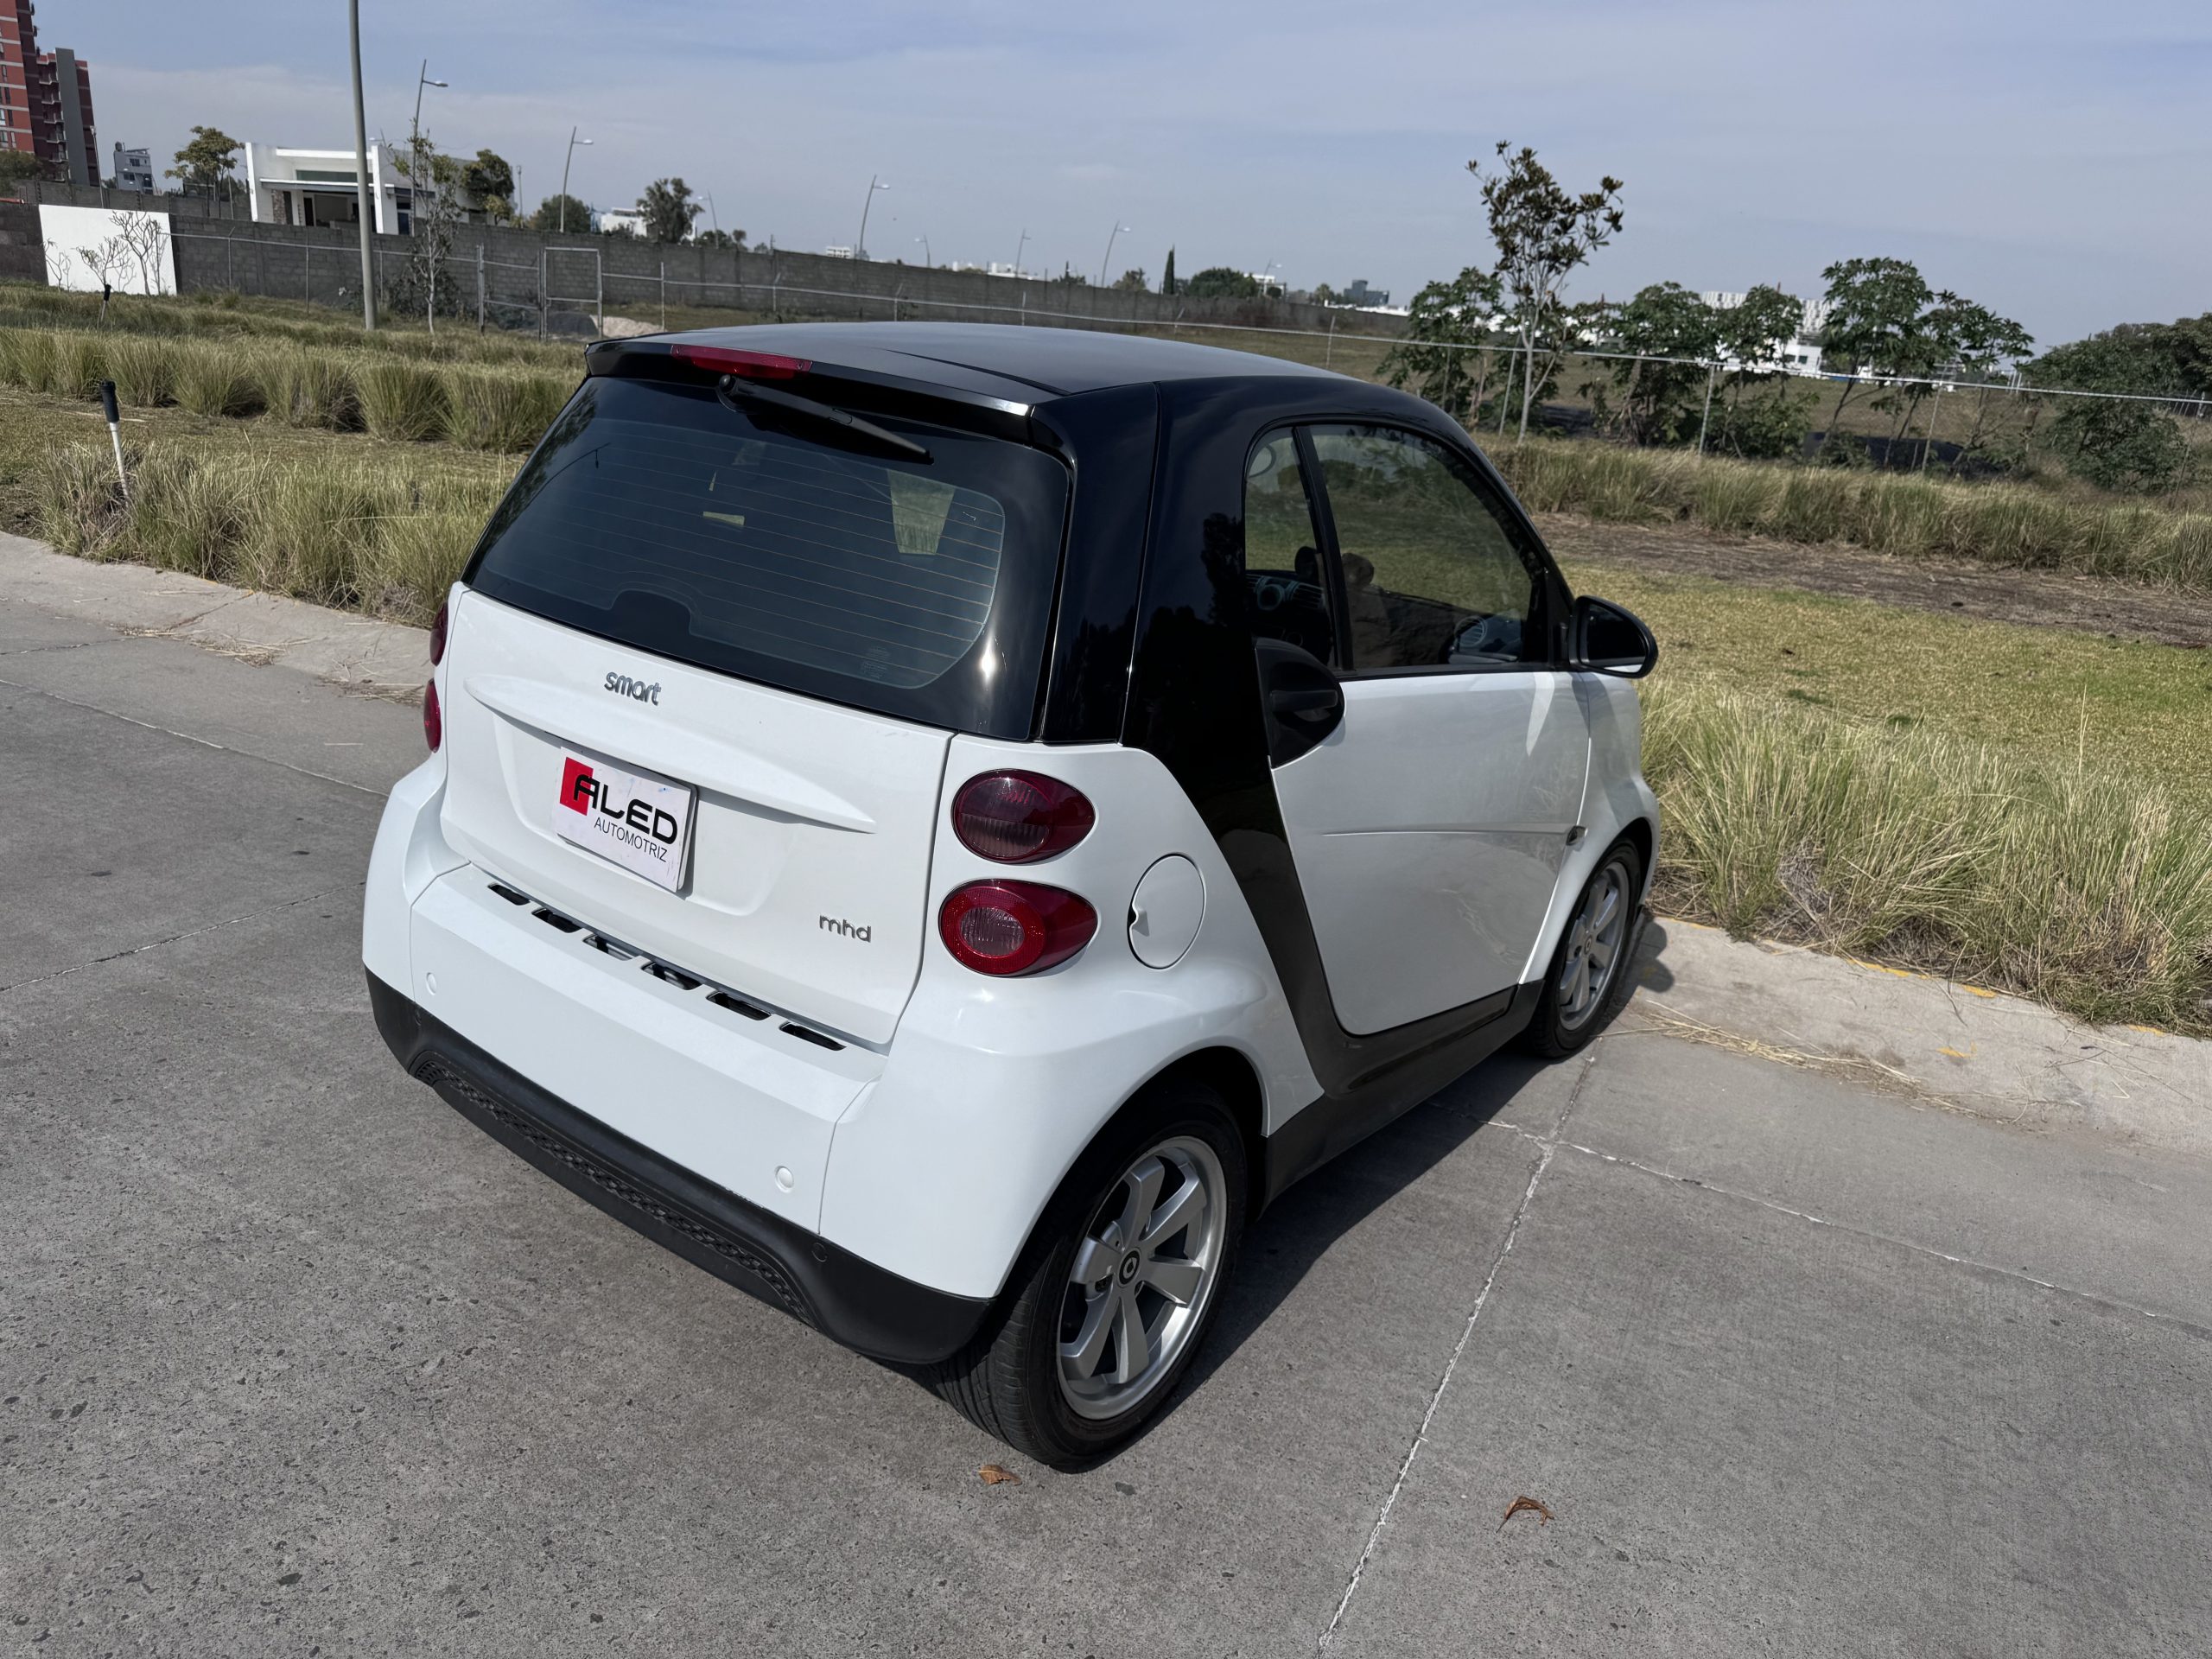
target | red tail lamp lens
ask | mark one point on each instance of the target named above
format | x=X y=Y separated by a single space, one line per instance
x=438 y=638
x=750 y=365
x=434 y=723
x=1018 y=817
x=1014 y=927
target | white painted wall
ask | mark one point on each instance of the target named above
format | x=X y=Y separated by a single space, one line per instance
x=130 y=250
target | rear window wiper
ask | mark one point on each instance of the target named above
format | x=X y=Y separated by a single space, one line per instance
x=731 y=388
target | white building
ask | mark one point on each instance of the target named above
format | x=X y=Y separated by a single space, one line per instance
x=318 y=186
x=1797 y=355
x=620 y=221
x=837 y=252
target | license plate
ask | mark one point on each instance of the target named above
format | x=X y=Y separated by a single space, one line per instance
x=641 y=822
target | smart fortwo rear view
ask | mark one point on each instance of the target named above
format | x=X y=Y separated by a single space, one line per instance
x=940 y=825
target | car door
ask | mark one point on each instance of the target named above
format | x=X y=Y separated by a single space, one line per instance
x=1429 y=825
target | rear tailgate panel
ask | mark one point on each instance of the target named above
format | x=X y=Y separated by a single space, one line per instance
x=809 y=872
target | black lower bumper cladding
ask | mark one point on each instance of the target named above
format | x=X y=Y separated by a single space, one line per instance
x=855 y=1302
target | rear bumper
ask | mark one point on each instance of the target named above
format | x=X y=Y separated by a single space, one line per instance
x=850 y=1299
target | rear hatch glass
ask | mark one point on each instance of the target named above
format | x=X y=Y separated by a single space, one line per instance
x=656 y=515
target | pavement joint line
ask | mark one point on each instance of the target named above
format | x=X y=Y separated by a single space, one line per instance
x=40 y=651
x=1548 y=1148
x=1967 y=1261
x=204 y=743
x=173 y=938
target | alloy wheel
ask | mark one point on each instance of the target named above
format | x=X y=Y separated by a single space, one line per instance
x=1143 y=1277
x=1593 y=947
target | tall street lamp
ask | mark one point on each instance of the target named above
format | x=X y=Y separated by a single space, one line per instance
x=1018 y=247
x=875 y=184
x=928 y=264
x=364 y=207
x=1109 y=259
x=573 y=142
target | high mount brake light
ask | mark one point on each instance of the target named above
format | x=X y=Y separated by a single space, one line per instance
x=438 y=638
x=434 y=721
x=1018 y=817
x=1003 y=928
x=746 y=365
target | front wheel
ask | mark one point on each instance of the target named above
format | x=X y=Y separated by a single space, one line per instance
x=1118 y=1288
x=1590 y=971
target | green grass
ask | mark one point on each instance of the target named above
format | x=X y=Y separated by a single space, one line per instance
x=2050 y=696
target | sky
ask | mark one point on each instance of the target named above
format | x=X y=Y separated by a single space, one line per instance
x=2049 y=159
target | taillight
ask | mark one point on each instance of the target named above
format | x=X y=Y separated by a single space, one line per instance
x=1014 y=927
x=434 y=724
x=748 y=366
x=1018 y=817
x=438 y=638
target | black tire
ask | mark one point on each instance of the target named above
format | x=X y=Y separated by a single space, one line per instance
x=1007 y=1381
x=1558 y=1028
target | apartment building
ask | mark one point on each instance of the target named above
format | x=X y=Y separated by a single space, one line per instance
x=46 y=99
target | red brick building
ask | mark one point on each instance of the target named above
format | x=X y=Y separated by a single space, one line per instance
x=46 y=99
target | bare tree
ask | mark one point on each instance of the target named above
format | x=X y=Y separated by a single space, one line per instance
x=1543 y=233
x=144 y=238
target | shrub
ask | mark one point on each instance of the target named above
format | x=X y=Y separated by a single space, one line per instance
x=78 y=499
x=214 y=378
x=309 y=389
x=2121 y=446
x=144 y=371
x=402 y=400
x=505 y=410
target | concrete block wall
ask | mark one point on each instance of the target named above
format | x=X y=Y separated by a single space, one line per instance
x=534 y=272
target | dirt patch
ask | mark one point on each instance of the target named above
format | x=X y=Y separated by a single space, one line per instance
x=2098 y=605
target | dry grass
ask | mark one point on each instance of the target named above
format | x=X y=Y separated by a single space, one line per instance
x=1995 y=523
x=498 y=408
x=2057 y=879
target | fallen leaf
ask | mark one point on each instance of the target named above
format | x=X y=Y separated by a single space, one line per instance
x=997 y=1475
x=1520 y=1504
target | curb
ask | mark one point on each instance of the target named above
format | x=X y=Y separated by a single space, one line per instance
x=371 y=658
x=1953 y=1046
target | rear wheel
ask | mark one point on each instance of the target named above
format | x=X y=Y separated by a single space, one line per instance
x=1118 y=1288
x=1590 y=974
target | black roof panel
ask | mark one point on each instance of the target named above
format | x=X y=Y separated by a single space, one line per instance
x=1028 y=365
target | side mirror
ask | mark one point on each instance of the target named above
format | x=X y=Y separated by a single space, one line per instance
x=1607 y=639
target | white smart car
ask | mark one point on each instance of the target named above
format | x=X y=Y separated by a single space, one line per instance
x=938 y=825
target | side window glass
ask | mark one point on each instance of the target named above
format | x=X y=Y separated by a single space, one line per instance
x=1431 y=579
x=1283 y=570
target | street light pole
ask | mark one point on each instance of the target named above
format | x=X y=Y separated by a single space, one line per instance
x=1018 y=247
x=860 y=247
x=1118 y=228
x=573 y=142
x=366 y=209
x=928 y=264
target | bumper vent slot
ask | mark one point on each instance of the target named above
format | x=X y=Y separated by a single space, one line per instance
x=667 y=973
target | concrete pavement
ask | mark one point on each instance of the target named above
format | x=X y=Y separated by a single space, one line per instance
x=292 y=1359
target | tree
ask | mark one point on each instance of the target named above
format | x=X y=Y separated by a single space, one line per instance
x=669 y=210
x=18 y=168
x=1131 y=281
x=1221 y=283
x=1444 y=353
x=1544 y=234
x=204 y=166
x=721 y=240
x=555 y=208
x=1872 y=323
x=1972 y=343
x=1167 y=274
x=1324 y=294
x=434 y=184
x=488 y=175
x=2115 y=442
x=1673 y=336
x=1750 y=336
